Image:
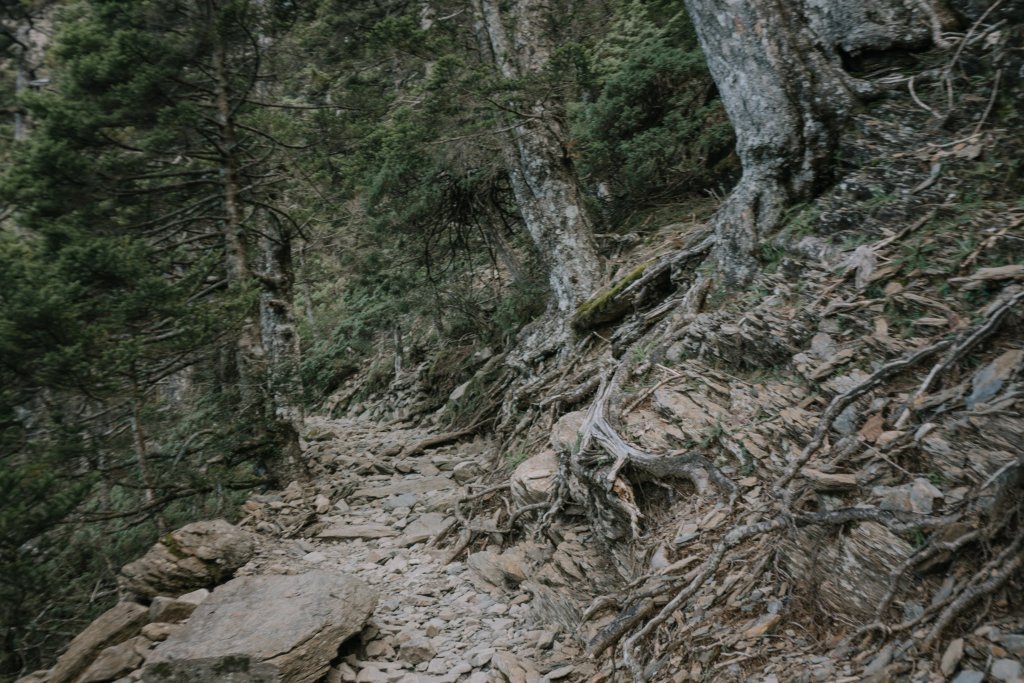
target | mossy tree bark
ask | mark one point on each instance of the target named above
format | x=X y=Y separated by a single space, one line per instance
x=777 y=65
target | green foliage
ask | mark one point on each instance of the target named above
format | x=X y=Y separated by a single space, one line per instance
x=652 y=126
x=516 y=457
x=435 y=234
x=116 y=314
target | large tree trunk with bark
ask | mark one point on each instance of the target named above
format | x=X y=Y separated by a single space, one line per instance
x=777 y=67
x=542 y=174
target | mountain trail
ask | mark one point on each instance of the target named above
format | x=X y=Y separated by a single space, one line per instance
x=373 y=512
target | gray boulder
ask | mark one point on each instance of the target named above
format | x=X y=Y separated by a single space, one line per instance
x=119 y=623
x=534 y=479
x=257 y=629
x=198 y=555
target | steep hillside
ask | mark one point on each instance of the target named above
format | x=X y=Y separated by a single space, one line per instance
x=821 y=473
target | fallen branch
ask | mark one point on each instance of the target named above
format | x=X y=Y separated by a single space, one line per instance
x=440 y=440
x=667 y=262
x=621 y=625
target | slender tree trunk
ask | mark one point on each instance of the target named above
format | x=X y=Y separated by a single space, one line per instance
x=20 y=78
x=280 y=341
x=776 y=64
x=277 y=326
x=427 y=17
x=543 y=179
x=240 y=276
x=267 y=347
x=142 y=459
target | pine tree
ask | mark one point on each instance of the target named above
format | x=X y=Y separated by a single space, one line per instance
x=155 y=136
x=147 y=249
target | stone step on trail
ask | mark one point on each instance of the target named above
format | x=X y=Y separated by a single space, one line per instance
x=435 y=623
x=265 y=628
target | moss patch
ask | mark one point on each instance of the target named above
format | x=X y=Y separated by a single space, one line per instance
x=605 y=306
x=172 y=546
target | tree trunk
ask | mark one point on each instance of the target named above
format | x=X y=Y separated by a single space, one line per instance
x=20 y=78
x=777 y=67
x=267 y=345
x=280 y=341
x=543 y=179
x=277 y=326
x=236 y=257
x=142 y=459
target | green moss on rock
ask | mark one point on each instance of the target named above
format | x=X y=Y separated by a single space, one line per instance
x=605 y=306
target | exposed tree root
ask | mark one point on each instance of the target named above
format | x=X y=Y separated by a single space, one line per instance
x=988 y=579
x=694 y=467
x=893 y=520
x=843 y=400
x=602 y=468
x=964 y=344
x=471 y=529
x=985 y=581
x=897 y=575
x=440 y=440
x=574 y=396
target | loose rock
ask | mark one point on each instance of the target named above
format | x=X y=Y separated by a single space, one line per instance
x=116 y=661
x=198 y=555
x=119 y=623
x=311 y=615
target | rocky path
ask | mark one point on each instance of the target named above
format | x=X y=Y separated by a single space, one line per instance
x=372 y=513
x=349 y=577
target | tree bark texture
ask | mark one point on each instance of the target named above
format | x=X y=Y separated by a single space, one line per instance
x=542 y=175
x=267 y=354
x=277 y=325
x=777 y=67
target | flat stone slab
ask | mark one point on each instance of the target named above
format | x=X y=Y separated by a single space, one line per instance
x=262 y=629
x=423 y=528
x=119 y=623
x=348 y=531
x=398 y=488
